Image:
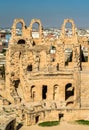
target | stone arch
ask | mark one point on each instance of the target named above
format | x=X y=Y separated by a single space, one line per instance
x=16 y=21
x=72 y=24
x=33 y=21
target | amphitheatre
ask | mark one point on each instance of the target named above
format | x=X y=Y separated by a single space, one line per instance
x=45 y=80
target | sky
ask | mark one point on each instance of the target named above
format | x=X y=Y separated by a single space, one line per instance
x=51 y=12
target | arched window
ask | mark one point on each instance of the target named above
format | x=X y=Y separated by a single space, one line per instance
x=68 y=86
x=68 y=29
x=69 y=91
x=35 y=30
x=44 y=91
x=29 y=67
x=21 y=41
x=19 y=29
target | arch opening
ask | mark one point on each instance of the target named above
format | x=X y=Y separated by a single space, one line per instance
x=68 y=29
x=21 y=41
x=69 y=91
x=35 y=30
x=37 y=119
x=19 y=29
x=44 y=91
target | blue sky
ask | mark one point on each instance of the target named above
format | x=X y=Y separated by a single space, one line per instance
x=51 y=12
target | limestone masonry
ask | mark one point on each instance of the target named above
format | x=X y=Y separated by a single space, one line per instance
x=46 y=79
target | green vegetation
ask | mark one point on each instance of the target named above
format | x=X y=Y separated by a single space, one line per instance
x=83 y=122
x=49 y=123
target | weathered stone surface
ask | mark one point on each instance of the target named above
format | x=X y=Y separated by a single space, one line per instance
x=50 y=78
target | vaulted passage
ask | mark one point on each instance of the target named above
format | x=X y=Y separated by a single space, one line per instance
x=44 y=92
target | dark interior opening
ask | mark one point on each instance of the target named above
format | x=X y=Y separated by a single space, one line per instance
x=36 y=119
x=83 y=58
x=68 y=85
x=68 y=94
x=44 y=91
x=60 y=116
x=11 y=125
x=29 y=68
x=16 y=83
x=57 y=67
x=33 y=43
x=69 y=91
x=19 y=126
x=21 y=41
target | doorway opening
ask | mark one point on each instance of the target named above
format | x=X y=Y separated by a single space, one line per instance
x=61 y=115
x=36 y=119
x=44 y=92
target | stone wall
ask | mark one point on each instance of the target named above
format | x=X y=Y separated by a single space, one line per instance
x=39 y=70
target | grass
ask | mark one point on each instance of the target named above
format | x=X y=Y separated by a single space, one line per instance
x=83 y=122
x=49 y=123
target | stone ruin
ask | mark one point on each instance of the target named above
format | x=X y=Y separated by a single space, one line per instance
x=47 y=79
